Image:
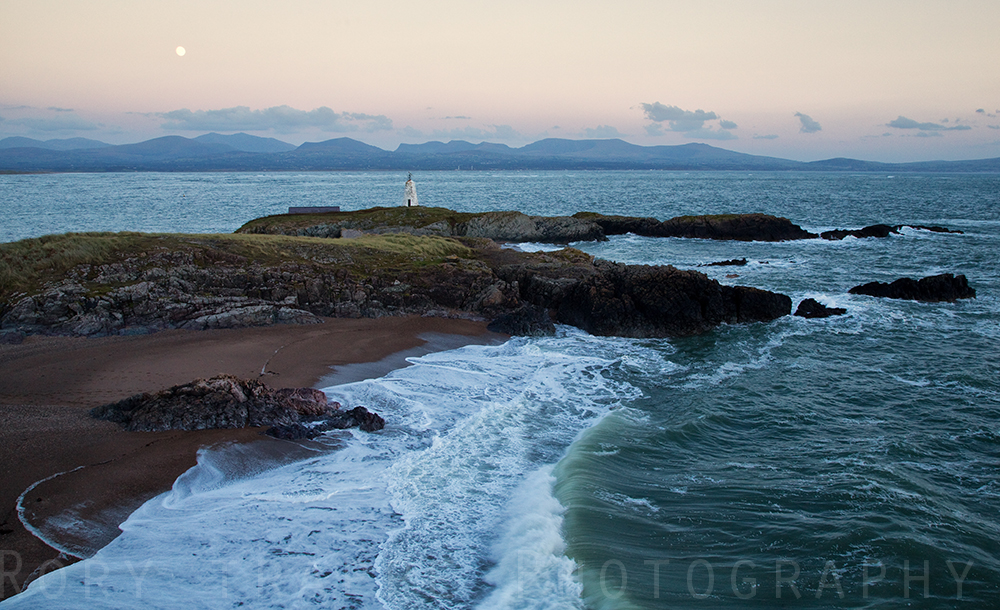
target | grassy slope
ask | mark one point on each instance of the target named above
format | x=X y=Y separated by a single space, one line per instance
x=27 y=265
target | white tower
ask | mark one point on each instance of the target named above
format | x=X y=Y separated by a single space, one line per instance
x=410 y=192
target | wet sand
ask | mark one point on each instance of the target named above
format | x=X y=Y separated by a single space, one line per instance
x=48 y=385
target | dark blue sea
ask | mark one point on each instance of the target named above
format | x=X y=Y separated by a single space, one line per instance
x=847 y=462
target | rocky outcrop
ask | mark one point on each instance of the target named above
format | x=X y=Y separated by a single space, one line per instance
x=738 y=227
x=220 y=402
x=508 y=226
x=662 y=301
x=811 y=308
x=735 y=262
x=175 y=290
x=189 y=282
x=879 y=230
x=358 y=417
x=936 y=288
x=229 y=402
x=518 y=227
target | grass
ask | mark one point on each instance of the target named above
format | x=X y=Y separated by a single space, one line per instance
x=27 y=265
x=418 y=216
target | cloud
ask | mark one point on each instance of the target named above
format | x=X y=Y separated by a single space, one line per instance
x=679 y=119
x=602 y=131
x=69 y=122
x=655 y=129
x=466 y=118
x=904 y=123
x=727 y=124
x=277 y=118
x=980 y=111
x=929 y=134
x=58 y=109
x=808 y=124
x=770 y=136
x=990 y=126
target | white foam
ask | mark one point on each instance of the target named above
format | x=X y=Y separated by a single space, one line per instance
x=434 y=510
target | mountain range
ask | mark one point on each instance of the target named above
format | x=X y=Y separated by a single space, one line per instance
x=244 y=152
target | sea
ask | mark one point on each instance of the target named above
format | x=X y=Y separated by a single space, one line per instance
x=846 y=462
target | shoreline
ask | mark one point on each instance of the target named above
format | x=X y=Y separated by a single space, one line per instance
x=50 y=384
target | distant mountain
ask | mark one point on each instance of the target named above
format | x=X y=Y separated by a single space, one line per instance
x=243 y=152
x=247 y=143
x=66 y=144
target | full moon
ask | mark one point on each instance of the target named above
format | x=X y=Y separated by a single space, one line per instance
x=181 y=51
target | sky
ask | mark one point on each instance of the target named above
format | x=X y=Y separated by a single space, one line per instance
x=881 y=80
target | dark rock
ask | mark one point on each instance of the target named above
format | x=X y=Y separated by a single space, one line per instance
x=357 y=417
x=933 y=229
x=879 y=230
x=662 y=301
x=811 y=308
x=518 y=227
x=528 y=320
x=11 y=337
x=220 y=402
x=870 y=231
x=944 y=287
x=738 y=227
x=736 y=262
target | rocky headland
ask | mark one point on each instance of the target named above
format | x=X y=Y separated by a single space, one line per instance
x=279 y=270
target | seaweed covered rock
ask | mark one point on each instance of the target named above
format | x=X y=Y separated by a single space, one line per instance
x=935 y=288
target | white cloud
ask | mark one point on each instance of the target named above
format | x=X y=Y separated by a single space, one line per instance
x=808 y=124
x=277 y=118
x=770 y=136
x=904 y=123
x=679 y=119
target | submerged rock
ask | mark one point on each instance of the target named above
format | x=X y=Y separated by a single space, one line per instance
x=879 y=230
x=936 y=288
x=811 y=308
x=735 y=262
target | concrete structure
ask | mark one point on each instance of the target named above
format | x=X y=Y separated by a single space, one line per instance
x=410 y=192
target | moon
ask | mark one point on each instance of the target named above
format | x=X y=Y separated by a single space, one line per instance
x=181 y=51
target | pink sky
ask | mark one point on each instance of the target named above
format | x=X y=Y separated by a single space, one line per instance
x=892 y=80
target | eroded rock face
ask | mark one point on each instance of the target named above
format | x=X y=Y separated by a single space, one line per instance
x=944 y=287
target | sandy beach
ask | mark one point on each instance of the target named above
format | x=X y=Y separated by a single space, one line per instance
x=48 y=384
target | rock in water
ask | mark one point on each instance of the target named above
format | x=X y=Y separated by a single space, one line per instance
x=662 y=301
x=936 y=288
x=811 y=308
